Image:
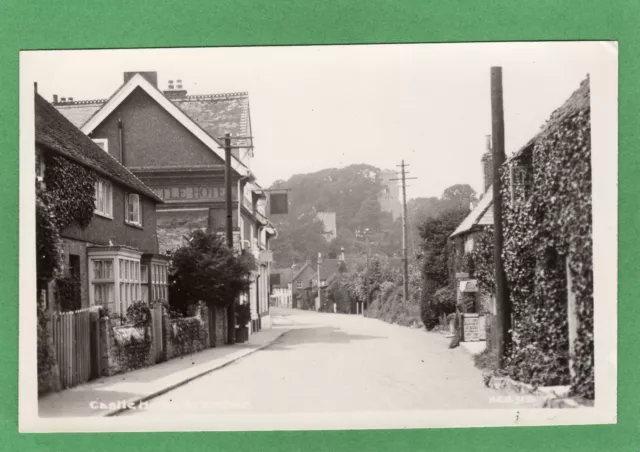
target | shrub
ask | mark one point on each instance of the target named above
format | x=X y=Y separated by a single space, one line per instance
x=206 y=269
x=139 y=314
x=46 y=357
x=68 y=292
x=443 y=301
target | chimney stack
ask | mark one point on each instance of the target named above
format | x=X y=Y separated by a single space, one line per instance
x=55 y=98
x=150 y=76
x=175 y=91
x=487 y=165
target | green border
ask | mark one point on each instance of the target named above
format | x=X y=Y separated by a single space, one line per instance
x=143 y=23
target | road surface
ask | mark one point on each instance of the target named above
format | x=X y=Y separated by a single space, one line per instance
x=336 y=363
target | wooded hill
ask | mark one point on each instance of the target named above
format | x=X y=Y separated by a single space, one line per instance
x=352 y=193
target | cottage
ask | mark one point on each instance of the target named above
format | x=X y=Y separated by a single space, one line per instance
x=115 y=257
x=173 y=143
x=548 y=262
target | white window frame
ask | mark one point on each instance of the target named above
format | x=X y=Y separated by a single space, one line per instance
x=104 y=191
x=40 y=166
x=126 y=287
x=103 y=143
x=127 y=210
x=299 y=284
x=159 y=282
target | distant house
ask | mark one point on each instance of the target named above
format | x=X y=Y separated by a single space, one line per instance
x=173 y=142
x=281 y=287
x=301 y=285
x=463 y=241
x=116 y=256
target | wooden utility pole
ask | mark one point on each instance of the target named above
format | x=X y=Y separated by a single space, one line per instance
x=503 y=305
x=231 y=309
x=405 y=258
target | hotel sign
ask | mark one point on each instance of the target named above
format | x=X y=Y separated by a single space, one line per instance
x=201 y=193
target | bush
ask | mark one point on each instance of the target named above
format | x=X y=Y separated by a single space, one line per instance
x=68 y=293
x=46 y=358
x=207 y=270
x=139 y=314
x=443 y=301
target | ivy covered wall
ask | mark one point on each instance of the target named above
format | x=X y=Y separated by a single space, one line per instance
x=547 y=227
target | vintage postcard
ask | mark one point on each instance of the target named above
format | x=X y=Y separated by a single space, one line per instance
x=318 y=237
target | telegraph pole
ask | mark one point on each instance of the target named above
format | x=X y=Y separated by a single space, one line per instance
x=503 y=305
x=231 y=309
x=405 y=259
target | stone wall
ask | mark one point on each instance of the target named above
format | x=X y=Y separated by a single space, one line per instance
x=124 y=348
x=187 y=335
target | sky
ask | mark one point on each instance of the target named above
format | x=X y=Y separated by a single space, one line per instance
x=315 y=107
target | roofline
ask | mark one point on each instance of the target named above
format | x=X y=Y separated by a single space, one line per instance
x=138 y=81
x=111 y=177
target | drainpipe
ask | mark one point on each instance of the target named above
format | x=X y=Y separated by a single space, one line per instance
x=240 y=202
x=120 y=127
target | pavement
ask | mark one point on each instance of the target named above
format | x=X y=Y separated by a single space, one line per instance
x=475 y=348
x=108 y=396
x=336 y=363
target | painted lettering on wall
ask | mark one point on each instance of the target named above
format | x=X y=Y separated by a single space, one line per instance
x=204 y=193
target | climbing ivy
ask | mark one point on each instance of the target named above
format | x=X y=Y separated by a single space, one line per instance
x=541 y=231
x=543 y=228
x=65 y=197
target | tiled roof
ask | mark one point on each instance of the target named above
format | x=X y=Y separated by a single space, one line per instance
x=286 y=275
x=479 y=215
x=58 y=134
x=79 y=112
x=218 y=114
x=578 y=101
x=299 y=272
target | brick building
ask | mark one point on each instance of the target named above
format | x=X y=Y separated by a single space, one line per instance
x=172 y=142
x=116 y=256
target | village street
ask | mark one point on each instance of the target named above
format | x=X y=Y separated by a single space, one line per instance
x=334 y=362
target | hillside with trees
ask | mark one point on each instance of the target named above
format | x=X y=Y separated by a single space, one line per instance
x=352 y=193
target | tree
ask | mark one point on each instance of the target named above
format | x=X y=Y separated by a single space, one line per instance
x=299 y=238
x=434 y=234
x=206 y=269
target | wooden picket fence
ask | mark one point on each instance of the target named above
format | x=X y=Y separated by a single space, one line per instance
x=76 y=341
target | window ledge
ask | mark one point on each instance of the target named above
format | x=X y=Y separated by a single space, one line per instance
x=103 y=215
x=134 y=225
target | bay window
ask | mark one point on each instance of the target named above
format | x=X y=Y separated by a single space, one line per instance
x=103 y=282
x=114 y=273
x=156 y=279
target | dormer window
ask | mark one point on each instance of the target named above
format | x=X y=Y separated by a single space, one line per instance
x=132 y=214
x=103 y=143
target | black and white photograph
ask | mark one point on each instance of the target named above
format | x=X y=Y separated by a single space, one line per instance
x=345 y=237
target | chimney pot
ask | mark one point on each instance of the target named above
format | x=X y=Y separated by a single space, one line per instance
x=63 y=99
x=70 y=99
x=55 y=98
